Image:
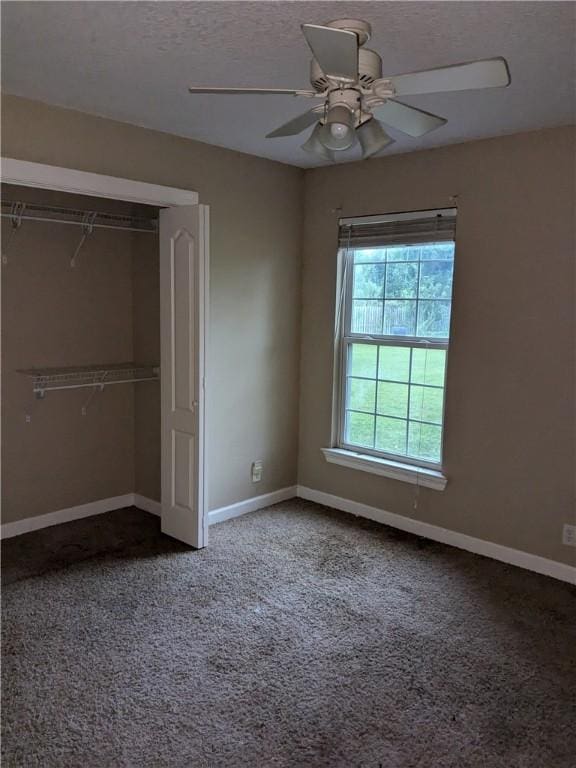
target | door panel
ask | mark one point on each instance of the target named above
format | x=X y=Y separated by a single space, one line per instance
x=183 y=309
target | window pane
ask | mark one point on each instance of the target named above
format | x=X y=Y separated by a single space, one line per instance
x=424 y=441
x=366 y=317
x=437 y=251
x=361 y=395
x=436 y=280
x=403 y=253
x=390 y=435
x=369 y=281
x=428 y=366
x=363 y=360
x=426 y=404
x=394 y=396
x=434 y=319
x=392 y=399
x=402 y=281
x=360 y=429
x=372 y=255
x=399 y=318
x=394 y=363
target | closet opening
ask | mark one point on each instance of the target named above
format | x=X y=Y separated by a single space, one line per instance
x=100 y=400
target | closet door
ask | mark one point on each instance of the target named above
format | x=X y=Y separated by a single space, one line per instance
x=183 y=321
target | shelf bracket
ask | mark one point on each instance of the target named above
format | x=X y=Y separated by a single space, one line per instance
x=87 y=229
x=98 y=387
x=16 y=222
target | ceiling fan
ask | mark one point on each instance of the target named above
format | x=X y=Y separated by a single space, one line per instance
x=347 y=80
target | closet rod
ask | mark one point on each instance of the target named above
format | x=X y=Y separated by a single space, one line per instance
x=98 y=384
x=28 y=217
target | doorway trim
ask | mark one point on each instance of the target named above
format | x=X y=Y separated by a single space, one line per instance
x=28 y=174
x=41 y=176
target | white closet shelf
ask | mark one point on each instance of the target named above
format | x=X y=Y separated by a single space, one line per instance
x=78 y=377
x=18 y=212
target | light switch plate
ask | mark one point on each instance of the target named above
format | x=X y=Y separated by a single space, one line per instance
x=569 y=535
x=256 y=471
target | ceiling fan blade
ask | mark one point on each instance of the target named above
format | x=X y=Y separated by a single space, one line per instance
x=297 y=125
x=313 y=144
x=260 y=91
x=335 y=50
x=414 y=122
x=372 y=138
x=487 y=73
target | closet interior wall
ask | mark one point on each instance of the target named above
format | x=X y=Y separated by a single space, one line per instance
x=103 y=310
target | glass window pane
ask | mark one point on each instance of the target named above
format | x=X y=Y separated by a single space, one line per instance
x=366 y=317
x=360 y=429
x=392 y=399
x=363 y=360
x=390 y=435
x=399 y=318
x=426 y=404
x=402 y=280
x=369 y=281
x=403 y=253
x=372 y=255
x=437 y=251
x=361 y=395
x=400 y=291
x=424 y=441
x=394 y=363
x=434 y=319
x=436 y=280
x=428 y=367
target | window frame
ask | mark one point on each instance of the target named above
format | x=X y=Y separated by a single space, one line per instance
x=346 y=338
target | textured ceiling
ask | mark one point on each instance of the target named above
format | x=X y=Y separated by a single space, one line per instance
x=132 y=61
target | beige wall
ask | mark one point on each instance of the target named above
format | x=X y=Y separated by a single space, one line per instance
x=53 y=315
x=509 y=441
x=509 y=420
x=255 y=204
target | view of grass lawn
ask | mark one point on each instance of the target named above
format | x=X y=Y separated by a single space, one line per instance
x=394 y=397
x=390 y=391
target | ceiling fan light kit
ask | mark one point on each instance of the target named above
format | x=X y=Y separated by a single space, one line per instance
x=342 y=107
x=347 y=78
x=373 y=138
x=316 y=146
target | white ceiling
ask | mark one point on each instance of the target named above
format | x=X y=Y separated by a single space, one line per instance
x=133 y=61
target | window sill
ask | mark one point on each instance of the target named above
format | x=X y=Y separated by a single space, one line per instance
x=429 y=478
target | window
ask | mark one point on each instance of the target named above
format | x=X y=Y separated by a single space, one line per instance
x=394 y=334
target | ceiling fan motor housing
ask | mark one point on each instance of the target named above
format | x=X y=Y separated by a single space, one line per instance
x=342 y=99
x=369 y=69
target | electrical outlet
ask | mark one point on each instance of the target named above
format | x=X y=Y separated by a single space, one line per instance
x=256 y=471
x=569 y=535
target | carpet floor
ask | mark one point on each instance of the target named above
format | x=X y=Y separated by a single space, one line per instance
x=300 y=637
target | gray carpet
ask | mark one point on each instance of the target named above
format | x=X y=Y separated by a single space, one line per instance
x=300 y=637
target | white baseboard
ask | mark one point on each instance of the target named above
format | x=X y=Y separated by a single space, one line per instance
x=251 y=505
x=225 y=513
x=508 y=555
x=8 y=530
x=148 y=505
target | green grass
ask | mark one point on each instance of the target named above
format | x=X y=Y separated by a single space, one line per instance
x=400 y=380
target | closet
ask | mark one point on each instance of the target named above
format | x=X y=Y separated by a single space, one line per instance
x=82 y=419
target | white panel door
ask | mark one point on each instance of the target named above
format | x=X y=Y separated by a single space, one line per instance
x=183 y=323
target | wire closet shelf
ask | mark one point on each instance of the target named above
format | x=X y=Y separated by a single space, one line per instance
x=79 y=377
x=19 y=211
